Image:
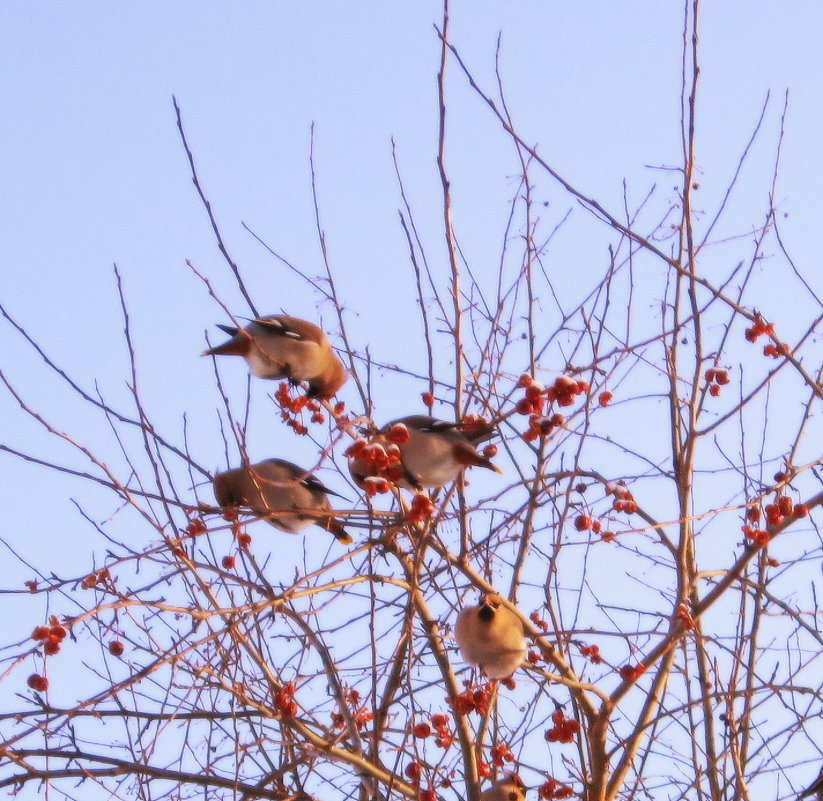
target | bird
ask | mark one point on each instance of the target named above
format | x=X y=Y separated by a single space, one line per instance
x=432 y=452
x=491 y=636
x=509 y=788
x=816 y=787
x=290 y=497
x=280 y=346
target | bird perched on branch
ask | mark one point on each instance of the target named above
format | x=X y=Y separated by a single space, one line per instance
x=290 y=498
x=815 y=788
x=510 y=788
x=279 y=346
x=491 y=636
x=431 y=452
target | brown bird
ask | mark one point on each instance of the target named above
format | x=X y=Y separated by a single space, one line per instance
x=491 y=637
x=432 y=452
x=279 y=346
x=291 y=498
x=509 y=788
x=816 y=787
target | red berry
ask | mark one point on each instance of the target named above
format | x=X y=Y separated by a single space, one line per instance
x=38 y=682
x=428 y=399
x=422 y=730
x=243 y=539
x=440 y=720
x=605 y=398
x=52 y=646
x=710 y=375
x=583 y=522
x=229 y=562
x=714 y=390
x=490 y=451
x=785 y=504
x=398 y=434
x=40 y=633
x=116 y=648
x=722 y=377
x=801 y=510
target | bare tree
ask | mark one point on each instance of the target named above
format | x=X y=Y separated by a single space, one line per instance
x=652 y=530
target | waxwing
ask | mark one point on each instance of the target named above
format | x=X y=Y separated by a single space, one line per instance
x=491 y=637
x=815 y=788
x=290 y=497
x=432 y=452
x=509 y=788
x=279 y=346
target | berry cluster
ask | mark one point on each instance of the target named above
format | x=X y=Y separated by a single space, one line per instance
x=564 y=730
x=584 y=522
x=552 y=789
x=760 y=327
x=500 y=754
x=379 y=460
x=632 y=672
x=51 y=636
x=623 y=498
x=284 y=701
x=196 y=527
x=362 y=716
x=98 y=577
x=538 y=621
x=471 y=700
x=38 y=682
x=290 y=407
x=592 y=653
x=775 y=513
x=421 y=509
x=563 y=392
x=716 y=377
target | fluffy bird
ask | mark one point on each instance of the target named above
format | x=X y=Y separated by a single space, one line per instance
x=290 y=497
x=491 y=636
x=510 y=788
x=432 y=452
x=279 y=346
x=815 y=788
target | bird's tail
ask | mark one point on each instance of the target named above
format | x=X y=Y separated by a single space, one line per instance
x=336 y=528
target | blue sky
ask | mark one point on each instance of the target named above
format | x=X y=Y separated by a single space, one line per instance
x=93 y=172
